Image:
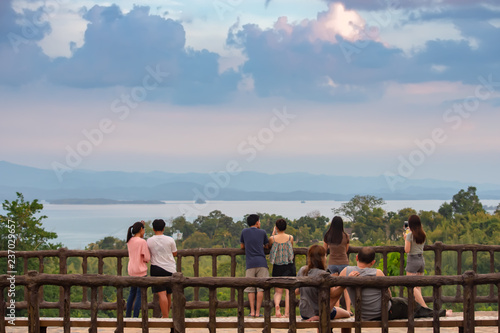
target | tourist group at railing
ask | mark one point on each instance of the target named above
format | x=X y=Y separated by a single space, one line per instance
x=320 y=283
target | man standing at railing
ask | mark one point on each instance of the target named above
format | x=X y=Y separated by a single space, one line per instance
x=163 y=250
x=253 y=241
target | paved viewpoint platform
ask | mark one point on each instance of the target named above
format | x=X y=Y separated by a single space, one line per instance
x=478 y=315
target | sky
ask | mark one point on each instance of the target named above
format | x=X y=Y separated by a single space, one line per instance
x=402 y=89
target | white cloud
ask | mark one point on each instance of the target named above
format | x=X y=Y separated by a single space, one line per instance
x=337 y=21
x=68 y=28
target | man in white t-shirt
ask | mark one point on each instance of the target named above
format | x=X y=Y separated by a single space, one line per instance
x=163 y=250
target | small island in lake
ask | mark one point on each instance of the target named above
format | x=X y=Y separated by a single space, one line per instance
x=101 y=201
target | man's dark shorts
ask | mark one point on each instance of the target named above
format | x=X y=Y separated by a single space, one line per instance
x=158 y=271
x=399 y=310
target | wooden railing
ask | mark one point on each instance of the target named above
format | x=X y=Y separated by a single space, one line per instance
x=437 y=250
x=34 y=281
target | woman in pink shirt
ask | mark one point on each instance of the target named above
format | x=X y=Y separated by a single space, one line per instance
x=138 y=254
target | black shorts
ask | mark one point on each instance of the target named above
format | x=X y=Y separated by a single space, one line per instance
x=284 y=270
x=158 y=271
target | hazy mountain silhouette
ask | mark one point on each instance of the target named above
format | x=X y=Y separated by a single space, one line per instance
x=157 y=185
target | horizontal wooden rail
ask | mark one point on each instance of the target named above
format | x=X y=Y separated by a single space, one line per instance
x=98 y=280
x=234 y=251
x=63 y=255
x=34 y=280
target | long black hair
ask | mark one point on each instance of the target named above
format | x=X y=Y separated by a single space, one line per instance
x=335 y=233
x=135 y=228
x=416 y=229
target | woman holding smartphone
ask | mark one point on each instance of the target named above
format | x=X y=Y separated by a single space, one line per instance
x=414 y=245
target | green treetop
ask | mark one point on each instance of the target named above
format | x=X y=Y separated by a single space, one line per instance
x=465 y=202
x=30 y=235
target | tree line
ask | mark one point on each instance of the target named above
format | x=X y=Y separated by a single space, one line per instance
x=461 y=221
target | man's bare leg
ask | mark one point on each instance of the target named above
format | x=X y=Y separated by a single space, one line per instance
x=260 y=297
x=251 y=300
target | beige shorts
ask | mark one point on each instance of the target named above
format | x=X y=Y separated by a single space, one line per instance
x=256 y=272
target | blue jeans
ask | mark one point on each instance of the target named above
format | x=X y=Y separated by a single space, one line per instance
x=135 y=294
x=336 y=268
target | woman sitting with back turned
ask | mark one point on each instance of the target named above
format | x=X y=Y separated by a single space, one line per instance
x=316 y=266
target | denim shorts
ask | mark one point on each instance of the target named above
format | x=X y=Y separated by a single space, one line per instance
x=332 y=315
x=415 y=263
x=336 y=268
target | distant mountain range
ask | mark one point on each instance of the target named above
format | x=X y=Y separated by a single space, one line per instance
x=131 y=186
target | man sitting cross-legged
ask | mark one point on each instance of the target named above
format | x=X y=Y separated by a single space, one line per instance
x=371 y=298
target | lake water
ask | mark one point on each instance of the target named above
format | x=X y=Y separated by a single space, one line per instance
x=79 y=225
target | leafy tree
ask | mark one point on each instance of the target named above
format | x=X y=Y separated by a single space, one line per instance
x=394 y=226
x=465 y=202
x=446 y=210
x=197 y=240
x=393 y=264
x=394 y=222
x=107 y=243
x=314 y=222
x=209 y=224
x=430 y=219
x=366 y=215
x=30 y=235
x=181 y=225
x=405 y=213
x=303 y=237
x=359 y=206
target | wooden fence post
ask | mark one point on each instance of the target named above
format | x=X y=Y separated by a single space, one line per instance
x=357 y=310
x=401 y=269
x=469 y=301
x=67 y=307
x=436 y=293
x=411 y=310
x=498 y=302
x=241 y=311
x=438 y=255
x=233 y=273
x=93 y=310
x=2 y=310
x=293 y=315
x=144 y=309
x=384 y=306
x=178 y=303
x=324 y=308
x=119 y=310
x=212 y=311
x=33 y=305
x=63 y=269
x=267 y=310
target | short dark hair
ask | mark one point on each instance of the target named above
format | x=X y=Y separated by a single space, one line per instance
x=158 y=225
x=366 y=255
x=281 y=224
x=252 y=219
